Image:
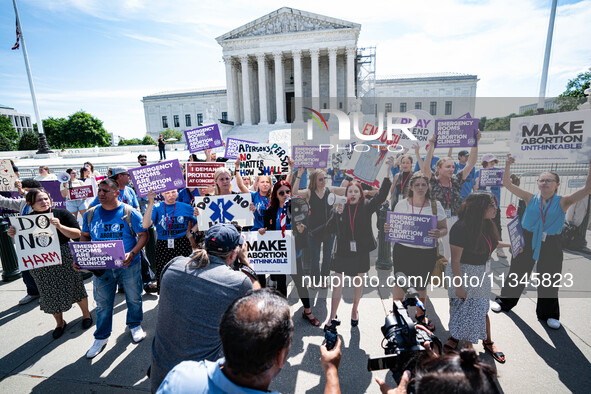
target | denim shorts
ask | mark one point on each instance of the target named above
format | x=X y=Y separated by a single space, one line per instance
x=76 y=205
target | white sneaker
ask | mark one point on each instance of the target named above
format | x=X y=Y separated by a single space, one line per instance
x=137 y=334
x=28 y=298
x=97 y=347
x=495 y=307
x=553 y=323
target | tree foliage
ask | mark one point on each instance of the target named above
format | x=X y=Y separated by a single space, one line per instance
x=170 y=133
x=29 y=140
x=79 y=130
x=132 y=141
x=148 y=140
x=11 y=137
x=574 y=95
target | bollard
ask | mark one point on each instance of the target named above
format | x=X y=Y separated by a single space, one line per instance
x=10 y=269
x=384 y=261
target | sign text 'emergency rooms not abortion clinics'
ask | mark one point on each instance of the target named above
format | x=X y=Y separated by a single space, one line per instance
x=159 y=177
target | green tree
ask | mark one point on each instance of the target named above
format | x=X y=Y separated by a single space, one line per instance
x=133 y=141
x=482 y=123
x=574 y=95
x=11 y=137
x=29 y=140
x=148 y=140
x=83 y=130
x=54 y=129
x=170 y=133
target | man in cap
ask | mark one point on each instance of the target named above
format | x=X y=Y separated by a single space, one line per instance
x=126 y=193
x=194 y=293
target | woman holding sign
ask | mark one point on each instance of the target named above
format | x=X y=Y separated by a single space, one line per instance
x=542 y=224
x=400 y=186
x=59 y=285
x=447 y=187
x=73 y=206
x=172 y=220
x=416 y=261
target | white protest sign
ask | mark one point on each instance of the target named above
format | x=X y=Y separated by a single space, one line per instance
x=423 y=129
x=563 y=137
x=36 y=241
x=271 y=253
x=230 y=208
x=7 y=176
x=263 y=159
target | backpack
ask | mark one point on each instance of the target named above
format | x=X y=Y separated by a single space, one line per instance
x=127 y=209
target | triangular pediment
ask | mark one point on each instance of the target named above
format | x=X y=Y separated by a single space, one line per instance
x=287 y=20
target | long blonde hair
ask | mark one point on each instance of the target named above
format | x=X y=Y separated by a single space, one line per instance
x=313 y=176
x=256 y=183
x=217 y=174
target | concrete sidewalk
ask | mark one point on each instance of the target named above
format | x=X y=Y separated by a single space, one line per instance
x=538 y=359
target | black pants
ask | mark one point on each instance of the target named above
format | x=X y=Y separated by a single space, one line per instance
x=162 y=153
x=30 y=283
x=497 y=221
x=549 y=264
x=280 y=279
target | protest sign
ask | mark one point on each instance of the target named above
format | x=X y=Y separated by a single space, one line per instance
x=491 y=177
x=81 y=192
x=305 y=156
x=515 y=236
x=9 y=212
x=36 y=241
x=232 y=145
x=230 y=208
x=411 y=229
x=54 y=190
x=271 y=253
x=423 y=130
x=7 y=176
x=563 y=137
x=203 y=138
x=159 y=177
x=98 y=254
x=201 y=174
x=263 y=159
x=456 y=133
x=368 y=165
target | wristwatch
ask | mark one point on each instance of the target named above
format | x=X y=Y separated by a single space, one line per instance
x=248 y=271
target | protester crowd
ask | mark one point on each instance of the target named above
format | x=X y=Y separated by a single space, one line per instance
x=216 y=331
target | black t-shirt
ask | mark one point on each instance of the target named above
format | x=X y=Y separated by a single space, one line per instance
x=459 y=236
x=65 y=218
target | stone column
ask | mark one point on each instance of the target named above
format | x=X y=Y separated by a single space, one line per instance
x=236 y=83
x=279 y=88
x=229 y=88
x=245 y=90
x=262 y=89
x=332 y=77
x=314 y=56
x=351 y=53
x=297 y=82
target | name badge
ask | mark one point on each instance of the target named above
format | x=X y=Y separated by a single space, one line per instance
x=353 y=246
x=448 y=213
x=544 y=237
x=171 y=243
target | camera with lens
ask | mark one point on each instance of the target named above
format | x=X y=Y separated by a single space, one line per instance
x=330 y=333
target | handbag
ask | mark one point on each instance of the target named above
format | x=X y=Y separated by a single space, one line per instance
x=440 y=262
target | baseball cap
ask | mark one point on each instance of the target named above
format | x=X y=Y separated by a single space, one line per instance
x=222 y=237
x=119 y=170
x=489 y=157
x=463 y=153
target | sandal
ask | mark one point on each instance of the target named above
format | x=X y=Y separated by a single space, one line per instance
x=447 y=348
x=313 y=320
x=498 y=356
x=424 y=320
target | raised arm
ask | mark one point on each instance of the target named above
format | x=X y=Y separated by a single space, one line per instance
x=577 y=196
x=147 y=219
x=426 y=168
x=239 y=180
x=519 y=192
x=472 y=158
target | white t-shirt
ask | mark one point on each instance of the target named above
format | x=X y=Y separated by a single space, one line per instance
x=48 y=177
x=404 y=206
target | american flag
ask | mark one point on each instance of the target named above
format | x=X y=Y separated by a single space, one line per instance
x=18 y=38
x=283 y=217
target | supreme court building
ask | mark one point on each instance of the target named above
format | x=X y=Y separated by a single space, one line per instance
x=291 y=54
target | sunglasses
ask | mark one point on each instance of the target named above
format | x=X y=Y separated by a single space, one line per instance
x=283 y=193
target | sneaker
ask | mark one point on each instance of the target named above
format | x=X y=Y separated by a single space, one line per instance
x=501 y=253
x=553 y=323
x=151 y=288
x=137 y=334
x=28 y=298
x=97 y=347
x=495 y=307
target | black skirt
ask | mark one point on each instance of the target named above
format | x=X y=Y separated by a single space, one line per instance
x=415 y=262
x=351 y=263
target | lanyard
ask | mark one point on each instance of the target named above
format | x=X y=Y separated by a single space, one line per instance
x=488 y=242
x=547 y=208
x=404 y=182
x=413 y=206
x=169 y=225
x=352 y=222
x=122 y=196
x=447 y=193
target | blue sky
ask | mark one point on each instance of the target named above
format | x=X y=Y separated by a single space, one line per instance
x=103 y=56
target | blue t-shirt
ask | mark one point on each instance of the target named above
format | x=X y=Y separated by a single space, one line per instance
x=434 y=161
x=176 y=216
x=469 y=183
x=109 y=225
x=337 y=178
x=127 y=196
x=496 y=190
x=303 y=179
x=278 y=222
x=261 y=204
x=188 y=197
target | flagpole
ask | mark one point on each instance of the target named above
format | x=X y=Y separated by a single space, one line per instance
x=43 y=145
x=542 y=96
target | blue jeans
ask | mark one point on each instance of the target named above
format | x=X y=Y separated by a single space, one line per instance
x=30 y=283
x=105 y=287
x=315 y=247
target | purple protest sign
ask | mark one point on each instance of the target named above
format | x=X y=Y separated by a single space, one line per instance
x=411 y=229
x=232 y=145
x=491 y=177
x=456 y=133
x=98 y=255
x=515 y=236
x=159 y=177
x=203 y=138
x=53 y=188
x=9 y=212
x=305 y=156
